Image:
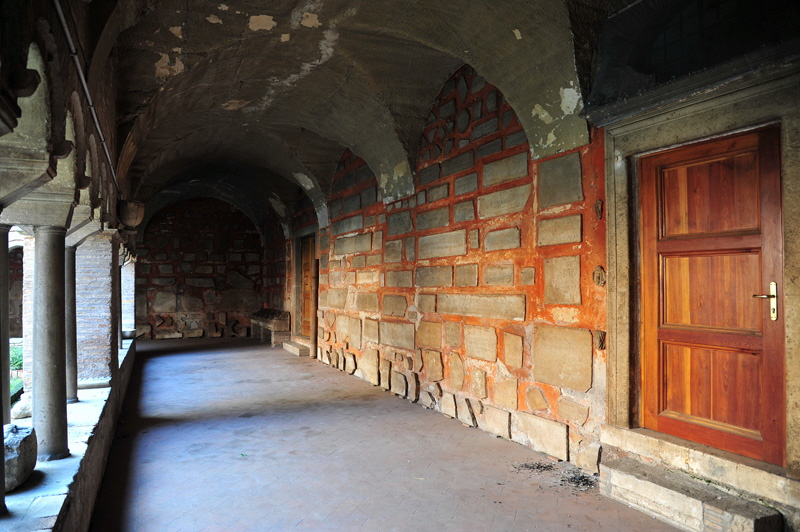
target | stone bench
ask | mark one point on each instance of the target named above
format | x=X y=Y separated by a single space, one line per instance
x=271 y=325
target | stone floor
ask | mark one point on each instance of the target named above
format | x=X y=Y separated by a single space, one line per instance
x=235 y=436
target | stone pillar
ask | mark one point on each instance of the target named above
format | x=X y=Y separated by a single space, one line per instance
x=97 y=282
x=5 y=329
x=71 y=324
x=49 y=356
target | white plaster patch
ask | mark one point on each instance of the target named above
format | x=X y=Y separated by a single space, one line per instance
x=235 y=105
x=262 y=22
x=223 y=7
x=214 y=19
x=165 y=70
x=278 y=206
x=285 y=37
x=310 y=20
x=542 y=113
x=303 y=180
x=177 y=31
x=518 y=34
x=570 y=100
x=177 y=49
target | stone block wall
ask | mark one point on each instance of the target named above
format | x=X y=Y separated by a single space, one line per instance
x=482 y=294
x=202 y=271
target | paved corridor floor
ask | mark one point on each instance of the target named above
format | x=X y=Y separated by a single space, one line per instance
x=237 y=436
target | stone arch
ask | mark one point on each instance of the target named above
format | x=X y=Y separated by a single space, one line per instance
x=94 y=173
x=200 y=267
x=79 y=141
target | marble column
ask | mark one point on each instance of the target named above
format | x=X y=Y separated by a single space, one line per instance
x=71 y=324
x=49 y=353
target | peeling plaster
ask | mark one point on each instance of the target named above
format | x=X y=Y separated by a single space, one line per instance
x=570 y=100
x=214 y=19
x=234 y=105
x=262 y=22
x=518 y=34
x=326 y=48
x=285 y=37
x=177 y=31
x=278 y=206
x=566 y=315
x=542 y=113
x=223 y=7
x=303 y=180
x=164 y=70
x=298 y=13
x=310 y=20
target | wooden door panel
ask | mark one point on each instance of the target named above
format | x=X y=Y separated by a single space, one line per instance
x=711 y=197
x=711 y=237
x=308 y=301
x=713 y=291
x=704 y=386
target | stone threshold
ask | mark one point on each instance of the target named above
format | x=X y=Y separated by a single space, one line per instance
x=60 y=495
x=736 y=475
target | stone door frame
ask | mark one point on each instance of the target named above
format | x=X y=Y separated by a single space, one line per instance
x=740 y=105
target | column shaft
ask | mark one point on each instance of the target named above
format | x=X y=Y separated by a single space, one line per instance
x=71 y=324
x=49 y=353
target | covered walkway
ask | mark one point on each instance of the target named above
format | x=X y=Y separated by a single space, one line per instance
x=217 y=435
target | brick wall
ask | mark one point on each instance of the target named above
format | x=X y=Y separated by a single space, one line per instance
x=15 y=291
x=96 y=267
x=201 y=272
x=482 y=295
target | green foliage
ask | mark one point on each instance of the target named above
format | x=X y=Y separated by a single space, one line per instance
x=16 y=357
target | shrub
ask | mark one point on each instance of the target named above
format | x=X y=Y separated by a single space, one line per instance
x=16 y=357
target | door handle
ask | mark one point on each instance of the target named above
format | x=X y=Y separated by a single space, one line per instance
x=773 y=300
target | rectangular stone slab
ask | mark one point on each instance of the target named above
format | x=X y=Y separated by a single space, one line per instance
x=510 y=307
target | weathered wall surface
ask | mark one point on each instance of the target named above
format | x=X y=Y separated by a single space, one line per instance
x=201 y=272
x=481 y=296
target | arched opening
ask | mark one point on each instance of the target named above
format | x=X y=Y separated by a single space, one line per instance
x=202 y=270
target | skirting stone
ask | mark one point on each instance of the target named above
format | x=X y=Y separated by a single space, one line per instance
x=495 y=421
x=545 y=435
x=449 y=405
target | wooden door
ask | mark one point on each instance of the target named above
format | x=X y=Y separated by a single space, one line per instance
x=711 y=240
x=307 y=299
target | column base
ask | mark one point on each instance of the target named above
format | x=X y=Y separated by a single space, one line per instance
x=70 y=401
x=53 y=456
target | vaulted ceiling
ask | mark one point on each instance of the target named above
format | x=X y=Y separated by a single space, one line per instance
x=259 y=99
